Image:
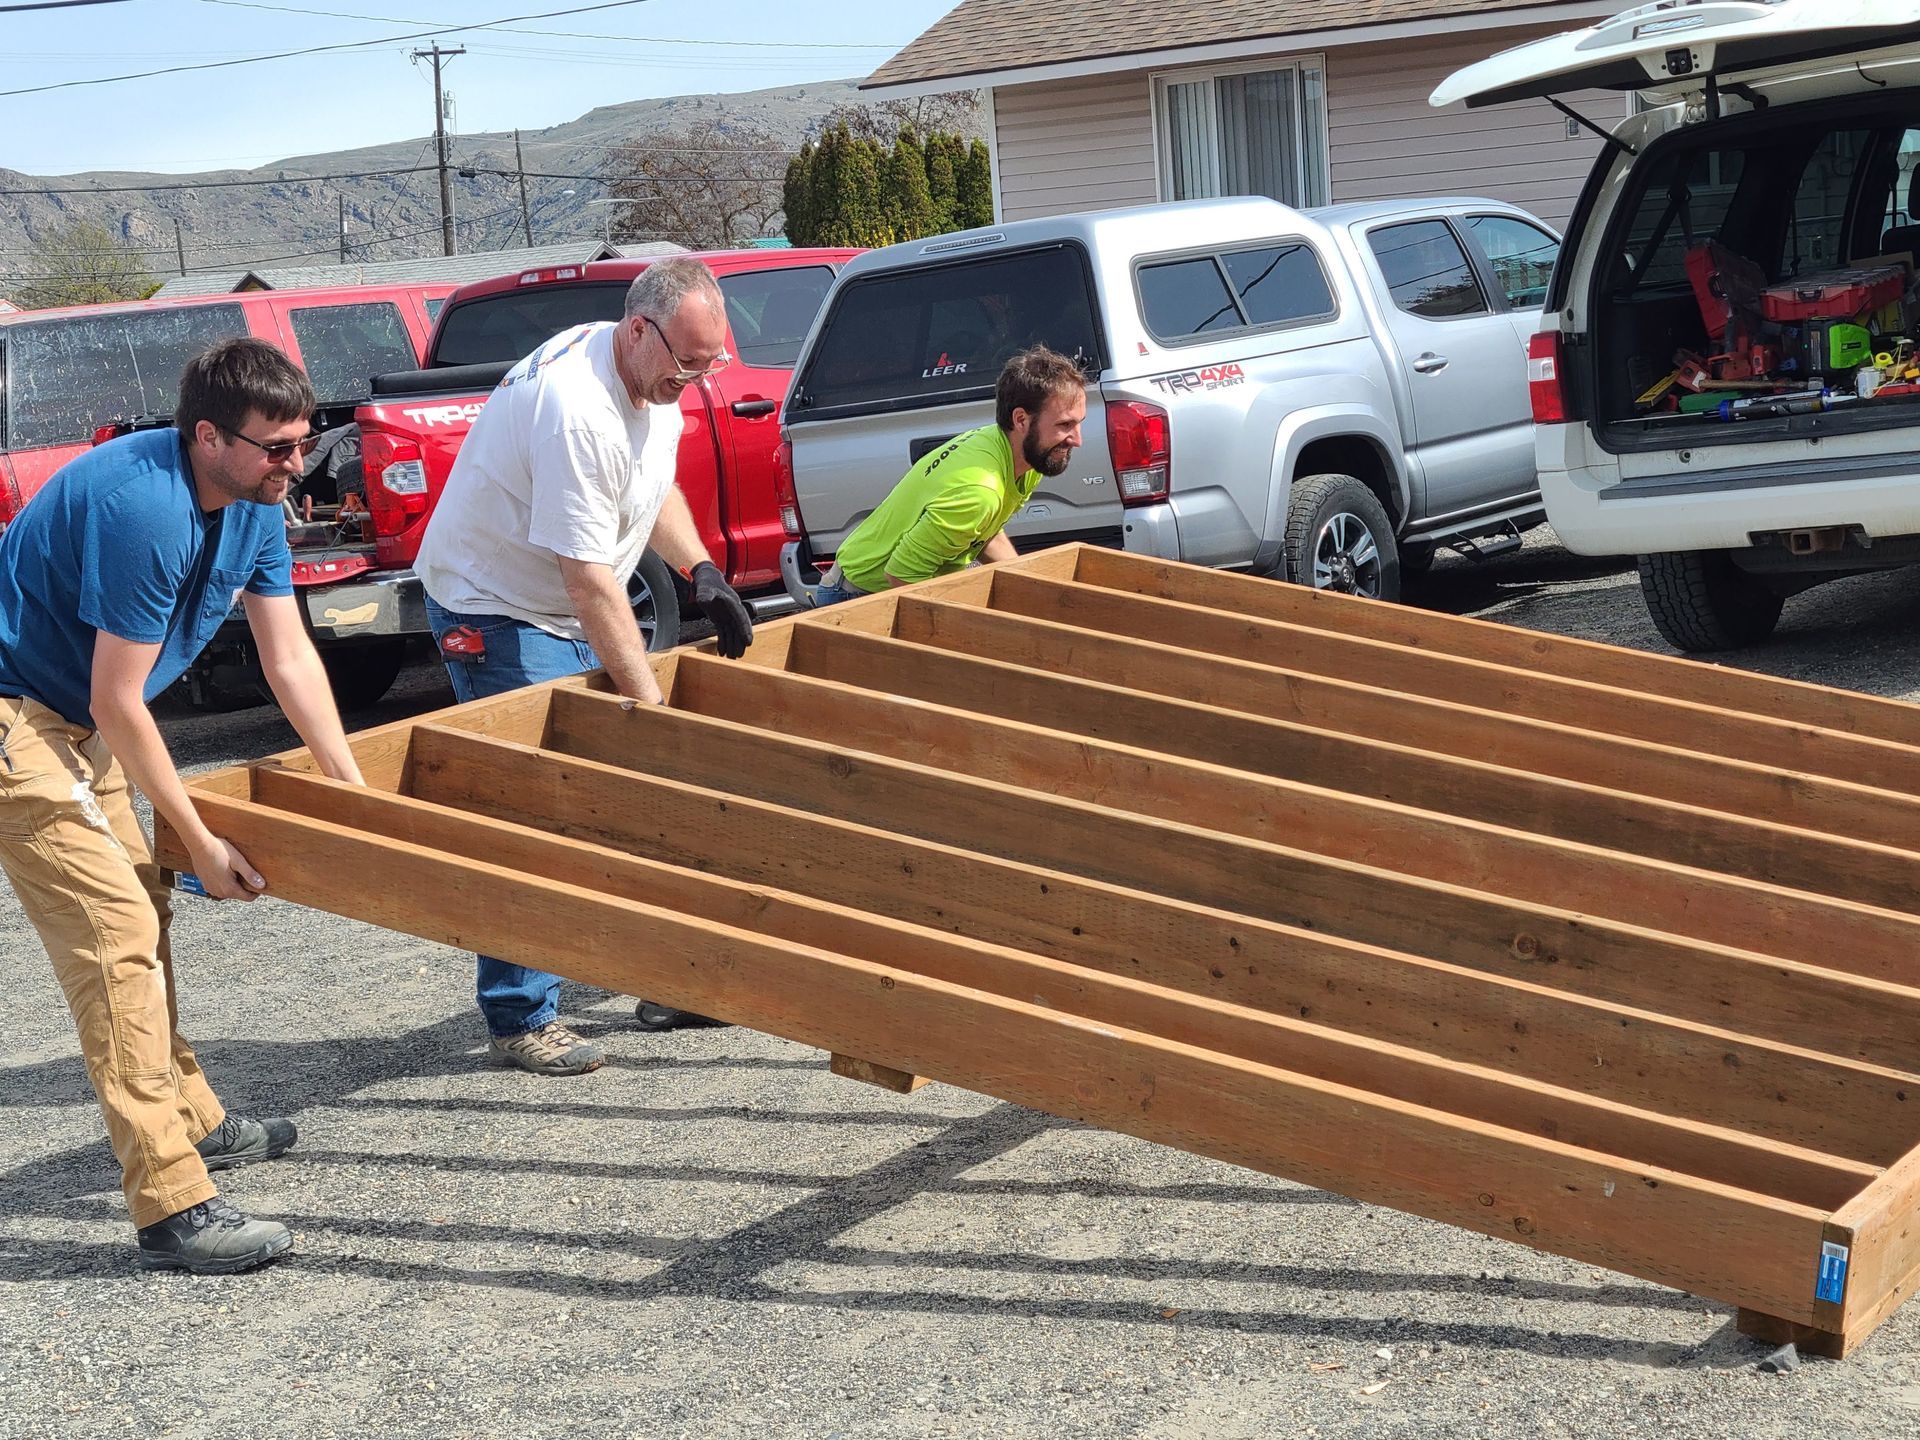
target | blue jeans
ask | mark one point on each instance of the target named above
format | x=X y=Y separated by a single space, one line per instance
x=513 y=998
x=825 y=595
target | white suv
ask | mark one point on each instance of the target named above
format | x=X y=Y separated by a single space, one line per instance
x=1742 y=252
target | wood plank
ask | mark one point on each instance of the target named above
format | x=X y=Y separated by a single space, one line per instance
x=1524 y=1029
x=1592 y=1122
x=885 y=1077
x=1556 y=1197
x=1882 y=1225
x=1840 y=927
x=1792 y=1172
x=1797 y=1003
x=1578 y=703
x=1721 y=783
x=1378 y=769
x=1702 y=682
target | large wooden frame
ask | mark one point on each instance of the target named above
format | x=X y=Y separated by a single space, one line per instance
x=1601 y=952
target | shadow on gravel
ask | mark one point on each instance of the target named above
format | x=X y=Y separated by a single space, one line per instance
x=1464 y=588
x=80 y=1183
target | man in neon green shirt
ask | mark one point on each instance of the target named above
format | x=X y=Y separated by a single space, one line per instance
x=951 y=509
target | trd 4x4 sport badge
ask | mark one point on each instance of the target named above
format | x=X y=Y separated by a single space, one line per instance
x=1210 y=377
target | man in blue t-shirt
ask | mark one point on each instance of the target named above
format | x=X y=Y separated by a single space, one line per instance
x=112 y=580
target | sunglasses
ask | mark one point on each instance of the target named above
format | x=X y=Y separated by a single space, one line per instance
x=280 y=452
x=683 y=374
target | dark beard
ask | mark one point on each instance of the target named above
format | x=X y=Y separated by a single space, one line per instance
x=1043 y=460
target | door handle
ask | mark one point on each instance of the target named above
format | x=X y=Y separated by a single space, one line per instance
x=748 y=409
x=1430 y=364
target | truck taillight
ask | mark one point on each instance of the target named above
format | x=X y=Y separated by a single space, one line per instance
x=785 y=495
x=396 y=476
x=1543 y=379
x=1139 y=441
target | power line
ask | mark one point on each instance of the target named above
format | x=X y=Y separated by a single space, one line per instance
x=562 y=34
x=54 y=5
x=317 y=49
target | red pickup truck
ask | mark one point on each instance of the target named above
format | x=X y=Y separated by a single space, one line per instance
x=414 y=422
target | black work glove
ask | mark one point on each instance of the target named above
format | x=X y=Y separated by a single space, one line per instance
x=732 y=622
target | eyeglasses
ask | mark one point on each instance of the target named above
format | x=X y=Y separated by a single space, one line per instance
x=281 y=451
x=683 y=374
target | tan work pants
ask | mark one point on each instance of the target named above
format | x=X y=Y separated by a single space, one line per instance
x=85 y=875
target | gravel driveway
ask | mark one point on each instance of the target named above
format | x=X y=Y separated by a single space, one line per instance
x=714 y=1237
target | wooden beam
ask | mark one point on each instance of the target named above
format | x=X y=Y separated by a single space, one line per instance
x=1729 y=785
x=1798 y=1003
x=885 y=1077
x=1556 y=1197
x=1840 y=927
x=1685 y=834
x=1578 y=703
x=1701 y=682
x=1523 y=1029
x=1592 y=1121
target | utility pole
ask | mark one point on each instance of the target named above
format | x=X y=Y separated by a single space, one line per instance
x=343 y=228
x=179 y=246
x=520 y=169
x=436 y=54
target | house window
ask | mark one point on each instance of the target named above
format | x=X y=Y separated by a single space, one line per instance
x=1245 y=132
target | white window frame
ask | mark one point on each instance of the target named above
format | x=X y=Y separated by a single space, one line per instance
x=1158 y=80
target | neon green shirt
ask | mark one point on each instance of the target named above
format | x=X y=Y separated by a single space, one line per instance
x=941 y=514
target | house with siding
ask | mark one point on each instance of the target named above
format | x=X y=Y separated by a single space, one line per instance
x=1111 y=102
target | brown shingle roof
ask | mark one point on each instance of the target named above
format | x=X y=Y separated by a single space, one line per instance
x=981 y=37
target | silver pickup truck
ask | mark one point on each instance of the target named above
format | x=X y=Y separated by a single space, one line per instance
x=1324 y=396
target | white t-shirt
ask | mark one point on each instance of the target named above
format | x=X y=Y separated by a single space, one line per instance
x=558 y=462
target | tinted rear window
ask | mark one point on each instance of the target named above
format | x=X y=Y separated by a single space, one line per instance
x=513 y=323
x=342 y=345
x=772 y=310
x=1280 y=284
x=66 y=377
x=1187 y=297
x=1239 y=290
x=942 y=333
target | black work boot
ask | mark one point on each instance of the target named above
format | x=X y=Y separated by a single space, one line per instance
x=237 y=1140
x=664 y=1017
x=212 y=1238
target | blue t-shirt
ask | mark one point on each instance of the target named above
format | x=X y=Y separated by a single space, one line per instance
x=117 y=541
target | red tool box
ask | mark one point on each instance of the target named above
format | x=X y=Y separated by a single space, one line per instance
x=1834 y=295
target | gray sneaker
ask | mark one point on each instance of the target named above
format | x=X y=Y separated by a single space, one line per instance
x=553 y=1049
x=237 y=1140
x=212 y=1238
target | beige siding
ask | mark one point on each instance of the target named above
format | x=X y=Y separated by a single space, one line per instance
x=1089 y=144
x=1074 y=145
x=1384 y=140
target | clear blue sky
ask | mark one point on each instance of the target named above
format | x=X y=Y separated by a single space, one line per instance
x=251 y=114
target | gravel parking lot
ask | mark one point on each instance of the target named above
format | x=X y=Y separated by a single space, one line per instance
x=712 y=1236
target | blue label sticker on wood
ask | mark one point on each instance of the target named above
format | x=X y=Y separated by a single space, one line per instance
x=185 y=880
x=1832 y=1284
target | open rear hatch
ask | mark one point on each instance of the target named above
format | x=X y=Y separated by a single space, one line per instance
x=1682 y=44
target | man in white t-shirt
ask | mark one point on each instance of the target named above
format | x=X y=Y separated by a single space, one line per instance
x=565 y=480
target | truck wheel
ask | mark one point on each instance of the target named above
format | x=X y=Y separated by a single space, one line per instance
x=1701 y=600
x=1339 y=538
x=655 y=603
x=362 y=673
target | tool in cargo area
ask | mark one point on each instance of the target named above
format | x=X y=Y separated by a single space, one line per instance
x=1773 y=406
x=1658 y=389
